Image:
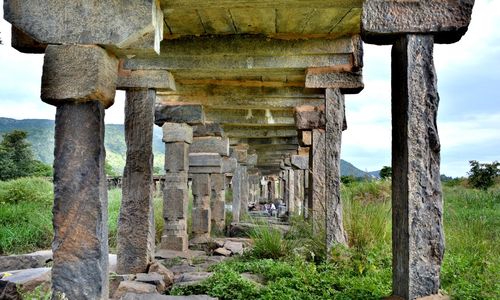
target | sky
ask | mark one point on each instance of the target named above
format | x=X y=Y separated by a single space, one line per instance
x=468 y=118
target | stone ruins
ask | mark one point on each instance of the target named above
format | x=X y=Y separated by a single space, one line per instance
x=248 y=93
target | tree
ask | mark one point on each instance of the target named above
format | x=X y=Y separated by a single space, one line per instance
x=16 y=158
x=386 y=172
x=482 y=176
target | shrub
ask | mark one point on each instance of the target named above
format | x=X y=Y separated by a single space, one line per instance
x=26 y=190
x=482 y=176
x=268 y=242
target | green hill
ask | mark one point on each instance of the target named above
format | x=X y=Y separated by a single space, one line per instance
x=41 y=137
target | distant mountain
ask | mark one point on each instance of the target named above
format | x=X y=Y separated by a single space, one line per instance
x=41 y=137
x=348 y=169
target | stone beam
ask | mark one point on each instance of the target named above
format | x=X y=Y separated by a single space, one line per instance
x=208 y=129
x=210 y=144
x=236 y=96
x=250 y=116
x=25 y=43
x=269 y=141
x=247 y=52
x=300 y=161
x=154 y=79
x=228 y=4
x=262 y=131
x=119 y=23
x=384 y=20
x=347 y=82
x=179 y=113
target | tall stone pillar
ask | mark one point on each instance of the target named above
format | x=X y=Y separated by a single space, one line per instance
x=80 y=82
x=238 y=152
x=291 y=205
x=218 y=201
x=205 y=160
x=334 y=111
x=136 y=230
x=417 y=206
x=300 y=163
x=244 y=190
x=201 y=206
x=177 y=138
x=317 y=181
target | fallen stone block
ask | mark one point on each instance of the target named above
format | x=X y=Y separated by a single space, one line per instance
x=168 y=276
x=8 y=291
x=152 y=278
x=222 y=251
x=234 y=247
x=29 y=279
x=134 y=287
x=133 y=296
x=20 y=262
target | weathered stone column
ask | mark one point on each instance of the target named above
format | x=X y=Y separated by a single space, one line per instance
x=201 y=206
x=218 y=201
x=177 y=138
x=240 y=154
x=335 y=115
x=204 y=161
x=417 y=208
x=80 y=82
x=136 y=230
x=301 y=164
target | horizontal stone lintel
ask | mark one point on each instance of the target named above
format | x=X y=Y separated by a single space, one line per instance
x=384 y=20
x=205 y=170
x=210 y=144
x=179 y=113
x=309 y=117
x=347 y=82
x=105 y=22
x=205 y=160
x=229 y=164
x=300 y=162
x=177 y=132
x=208 y=129
x=153 y=79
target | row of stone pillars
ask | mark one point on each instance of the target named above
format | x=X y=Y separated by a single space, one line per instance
x=81 y=81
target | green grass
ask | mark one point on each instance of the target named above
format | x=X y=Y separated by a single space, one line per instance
x=299 y=269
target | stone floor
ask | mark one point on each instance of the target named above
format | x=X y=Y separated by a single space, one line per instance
x=171 y=268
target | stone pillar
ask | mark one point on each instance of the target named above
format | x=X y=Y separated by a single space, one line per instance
x=417 y=206
x=218 y=201
x=201 y=206
x=334 y=110
x=136 y=230
x=80 y=82
x=291 y=205
x=240 y=153
x=244 y=190
x=177 y=138
x=317 y=174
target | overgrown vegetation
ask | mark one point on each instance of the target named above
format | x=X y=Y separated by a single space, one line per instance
x=16 y=158
x=482 y=176
x=295 y=265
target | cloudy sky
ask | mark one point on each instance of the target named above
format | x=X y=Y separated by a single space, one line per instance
x=468 y=75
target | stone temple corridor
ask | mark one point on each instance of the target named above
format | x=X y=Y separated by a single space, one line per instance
x=247 y=93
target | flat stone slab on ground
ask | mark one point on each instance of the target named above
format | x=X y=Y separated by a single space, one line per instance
x=133 y=287
x=234 y=247
x=20 y=262
x=29 y=279
x=133 y=296
x=169 y=254
x=222 y=251
x=192 y=278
